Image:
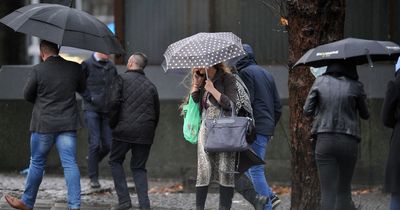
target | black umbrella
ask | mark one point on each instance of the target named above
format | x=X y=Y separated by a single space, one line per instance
x=357 y=51
x=65 y=26
x=247 y=159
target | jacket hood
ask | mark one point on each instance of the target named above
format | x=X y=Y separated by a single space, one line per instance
x=248 y=60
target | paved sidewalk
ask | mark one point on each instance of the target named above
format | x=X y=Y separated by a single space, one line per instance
x=52 y=195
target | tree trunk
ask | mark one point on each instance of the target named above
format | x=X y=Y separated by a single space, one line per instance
x=311 y=23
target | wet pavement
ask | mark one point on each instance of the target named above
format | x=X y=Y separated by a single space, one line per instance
x=163 y=195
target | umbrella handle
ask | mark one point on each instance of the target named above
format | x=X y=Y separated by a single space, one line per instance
x=369 y=59
x=207 y=73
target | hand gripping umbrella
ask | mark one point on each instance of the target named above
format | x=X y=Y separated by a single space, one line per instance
x=64 y=26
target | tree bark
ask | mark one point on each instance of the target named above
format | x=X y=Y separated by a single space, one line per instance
x=311 y=23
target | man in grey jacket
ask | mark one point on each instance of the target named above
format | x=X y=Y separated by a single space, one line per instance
x=51 y=88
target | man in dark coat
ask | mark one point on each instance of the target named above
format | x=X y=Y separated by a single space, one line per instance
x=266 y=106
x=100 y=72
x=134 y=115
x=390 y=118
x=51 y=88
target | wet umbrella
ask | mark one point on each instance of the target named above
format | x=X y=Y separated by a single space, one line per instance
x=357 y=51
x=202 y=50
x=64 y=26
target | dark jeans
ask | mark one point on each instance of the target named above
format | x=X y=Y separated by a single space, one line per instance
x=336 y=156
x=140 y=154
x=244 y=187
x=99 y=140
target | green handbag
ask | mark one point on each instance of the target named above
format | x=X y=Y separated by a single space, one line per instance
x=191 y=121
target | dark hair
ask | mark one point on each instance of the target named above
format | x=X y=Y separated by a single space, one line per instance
x=140 y=59
x=48 y=47
x=346 y=69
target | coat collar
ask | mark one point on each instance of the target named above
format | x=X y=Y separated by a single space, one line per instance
x=139 y=71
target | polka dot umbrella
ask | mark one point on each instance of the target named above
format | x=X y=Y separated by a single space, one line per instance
x=202 y=50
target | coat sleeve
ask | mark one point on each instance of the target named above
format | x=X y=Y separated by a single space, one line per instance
x=230 y=92
x=362 y=104
x=389 y=105
x=114 y=101
x=277 y=103
x=310 y=105
x=84 y=92
x=156 y=106
x=30 y=90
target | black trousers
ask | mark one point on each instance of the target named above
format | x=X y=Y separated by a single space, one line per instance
x=336 y=156
x=140 y=154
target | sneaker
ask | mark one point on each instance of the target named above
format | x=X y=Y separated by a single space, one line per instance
x=94 y=183
x=275 y=201
x=260 y=202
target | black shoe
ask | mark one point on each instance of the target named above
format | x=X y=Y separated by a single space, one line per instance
x=275 y=201
x=260 y=202
x=94 y=183
x=123 y=206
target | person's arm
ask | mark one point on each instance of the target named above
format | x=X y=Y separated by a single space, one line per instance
x=362 y=104
x=277 y=102
x=230 y=91
x=30 y=90
x=311 y=101
x=156 y=106
x=197 y=82
x=83 y=90
x=389 y=105
x=114 y=101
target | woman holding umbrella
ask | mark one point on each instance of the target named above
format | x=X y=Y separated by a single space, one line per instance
x=214 y=95
x=390 y=118
x=335 y=100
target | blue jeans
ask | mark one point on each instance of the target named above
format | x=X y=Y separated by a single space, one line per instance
x=257 y=173
x=99 y=140
x=41 y=144
x=395 y=201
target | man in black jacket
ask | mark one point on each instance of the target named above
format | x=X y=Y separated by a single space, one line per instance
x=134 y=115
x=266 y=106
x=51 y=88
x=100 y=72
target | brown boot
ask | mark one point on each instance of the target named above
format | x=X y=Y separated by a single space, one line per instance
x=16 y=203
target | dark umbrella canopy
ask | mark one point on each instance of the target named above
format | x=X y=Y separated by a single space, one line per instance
x=64 y=26
x=357 y=51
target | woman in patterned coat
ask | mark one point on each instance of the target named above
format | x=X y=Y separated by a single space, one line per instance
x=214 y=94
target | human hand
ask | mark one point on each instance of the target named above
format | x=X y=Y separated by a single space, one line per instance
x=209 y=86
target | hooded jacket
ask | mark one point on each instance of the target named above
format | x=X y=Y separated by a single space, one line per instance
x=264 y=96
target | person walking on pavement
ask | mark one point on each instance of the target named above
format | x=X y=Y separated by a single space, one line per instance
x=51 y=87
x=335 y=100
x=391 y=119
x=214 y=95
x=134 y=115
x=100 y=72
x=266 y=106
